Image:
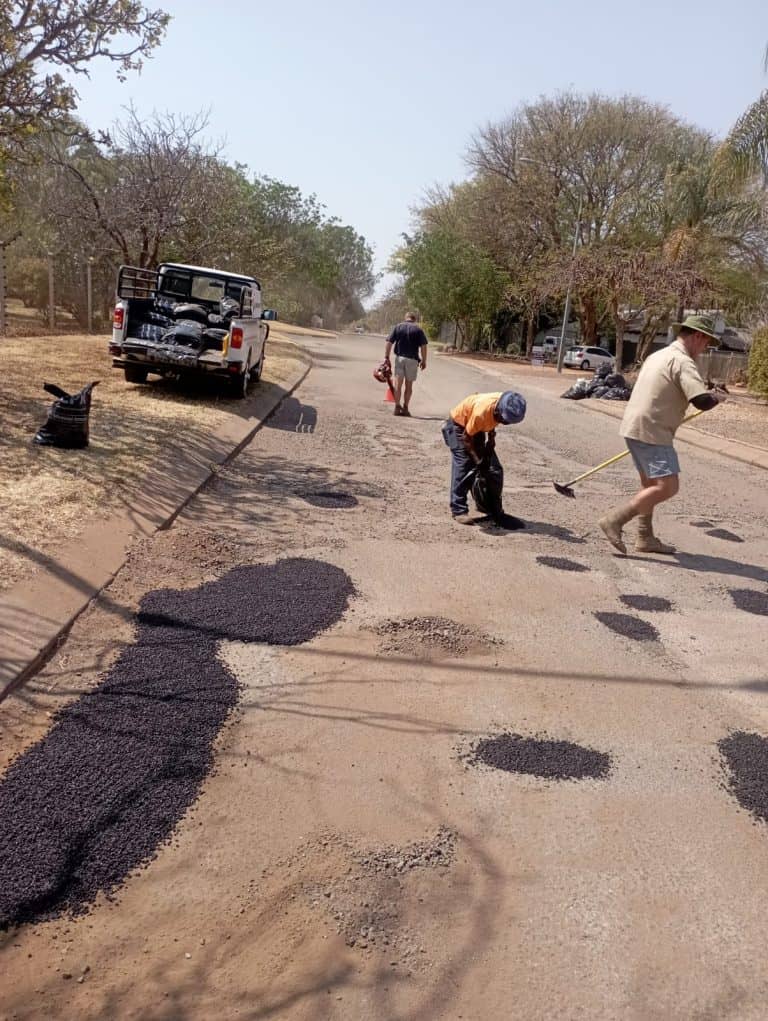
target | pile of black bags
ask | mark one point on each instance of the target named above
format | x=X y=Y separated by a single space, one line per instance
x=604 y=385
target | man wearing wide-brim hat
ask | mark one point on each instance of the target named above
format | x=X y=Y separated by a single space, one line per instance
x=668 y=382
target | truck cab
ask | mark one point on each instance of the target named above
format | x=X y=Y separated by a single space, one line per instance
x=181 y=319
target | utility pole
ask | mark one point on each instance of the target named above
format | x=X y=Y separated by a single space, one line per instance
x=89 y=277
x=51 y=307
x=567 y=310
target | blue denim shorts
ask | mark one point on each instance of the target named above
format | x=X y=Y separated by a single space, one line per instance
x=654 y=460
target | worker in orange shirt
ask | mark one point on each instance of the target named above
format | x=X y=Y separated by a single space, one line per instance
x=470 y=434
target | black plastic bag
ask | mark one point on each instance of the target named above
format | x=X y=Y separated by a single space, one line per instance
x=67 y=425
x=486 y=492
x=603 y=370
x=615 y=379
x=578 y=391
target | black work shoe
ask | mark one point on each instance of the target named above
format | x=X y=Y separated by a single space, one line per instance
x=398 y=411
x=405 y=413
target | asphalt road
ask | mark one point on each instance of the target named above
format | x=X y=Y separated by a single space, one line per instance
x=347 y=859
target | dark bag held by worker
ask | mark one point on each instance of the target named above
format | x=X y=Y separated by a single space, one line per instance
x=67 y=425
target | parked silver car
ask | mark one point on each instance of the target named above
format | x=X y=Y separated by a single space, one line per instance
x=587 y=357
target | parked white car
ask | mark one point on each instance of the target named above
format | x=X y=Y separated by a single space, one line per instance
x=587 y=357
x=189 y=320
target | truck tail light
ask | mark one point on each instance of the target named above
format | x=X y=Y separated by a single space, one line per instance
x=236 y=337
x=117 y=317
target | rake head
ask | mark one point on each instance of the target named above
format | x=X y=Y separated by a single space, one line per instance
x=564 y=490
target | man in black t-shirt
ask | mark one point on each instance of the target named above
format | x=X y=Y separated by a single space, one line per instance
x=410 y=344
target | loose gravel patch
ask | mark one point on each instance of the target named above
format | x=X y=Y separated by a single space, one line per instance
x=648 y=604
x=750 y=601
x=428 y=637
x=745 y=758
x=541 y=757
x=330 y=499
x=627 y=626
x=97 y=796
x=723 y=533
x=562 y=564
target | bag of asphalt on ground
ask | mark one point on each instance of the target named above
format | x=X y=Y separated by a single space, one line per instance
x=486 y=492
x=67 y=425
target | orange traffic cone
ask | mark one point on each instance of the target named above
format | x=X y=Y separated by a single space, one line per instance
x=390 y=398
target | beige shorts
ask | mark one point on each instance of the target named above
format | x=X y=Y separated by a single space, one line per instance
x=407 y=367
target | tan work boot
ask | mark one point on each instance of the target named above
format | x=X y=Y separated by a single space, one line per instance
x=612 y=524
x=646 y=540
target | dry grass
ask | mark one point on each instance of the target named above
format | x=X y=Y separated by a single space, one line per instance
x=48 y=496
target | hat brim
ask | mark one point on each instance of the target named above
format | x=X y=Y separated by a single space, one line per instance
x=696 y=329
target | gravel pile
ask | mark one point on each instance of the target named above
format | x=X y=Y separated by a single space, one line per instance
x=627 y=626
x=424 y=637
x=750 y=600
x=97 y=796
x=435 y=853
x=549 y=760
x=647 y=604
x=745 y=757
x=365 y=903
x=562 y=564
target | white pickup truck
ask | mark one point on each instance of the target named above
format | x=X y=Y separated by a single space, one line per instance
x=181 y=319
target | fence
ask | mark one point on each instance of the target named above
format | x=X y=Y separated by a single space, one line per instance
x=723 y=366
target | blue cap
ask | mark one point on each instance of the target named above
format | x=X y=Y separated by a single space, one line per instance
x=511 y=407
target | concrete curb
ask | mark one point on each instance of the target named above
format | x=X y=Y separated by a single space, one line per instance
x=38 y=613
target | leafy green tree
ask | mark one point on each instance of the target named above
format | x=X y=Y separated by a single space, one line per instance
x=758 y=362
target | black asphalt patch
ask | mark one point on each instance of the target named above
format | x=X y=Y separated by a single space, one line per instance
x=95 y=798
x=330 y=499
x=627 y=626
x=562 y=564
x=547 y=759
x=745 y=757
x=723 y=533
x=703 y=524
x=751 y=601
x=647 y=604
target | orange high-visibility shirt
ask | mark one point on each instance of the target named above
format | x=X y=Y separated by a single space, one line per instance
x=475 y=413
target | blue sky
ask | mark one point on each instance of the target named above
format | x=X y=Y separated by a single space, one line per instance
x=367 y=105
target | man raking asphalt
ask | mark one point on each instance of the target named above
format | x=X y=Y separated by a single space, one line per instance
x=668 y=381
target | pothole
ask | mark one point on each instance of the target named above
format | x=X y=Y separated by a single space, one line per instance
x=562 y=564
x=330 y=498
x=427 y=637
x=723 y=533
x=750 y=601
x=745 y=757
x=703 y=524
x=542 y=757
x=647 y=604
x=627 y=626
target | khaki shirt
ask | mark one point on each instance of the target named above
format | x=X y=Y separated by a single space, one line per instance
x=668 y=381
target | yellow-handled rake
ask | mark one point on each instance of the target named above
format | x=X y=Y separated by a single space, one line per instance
x=565 y=488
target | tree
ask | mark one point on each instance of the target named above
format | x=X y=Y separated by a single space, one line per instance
x=448 y=278
x=758 y=362
x=39 y=35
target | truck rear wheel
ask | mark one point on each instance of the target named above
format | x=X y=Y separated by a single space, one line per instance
x=240 y=384
x=135 y=374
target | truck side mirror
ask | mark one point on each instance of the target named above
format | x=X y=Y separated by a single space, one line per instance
x=270 y=314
